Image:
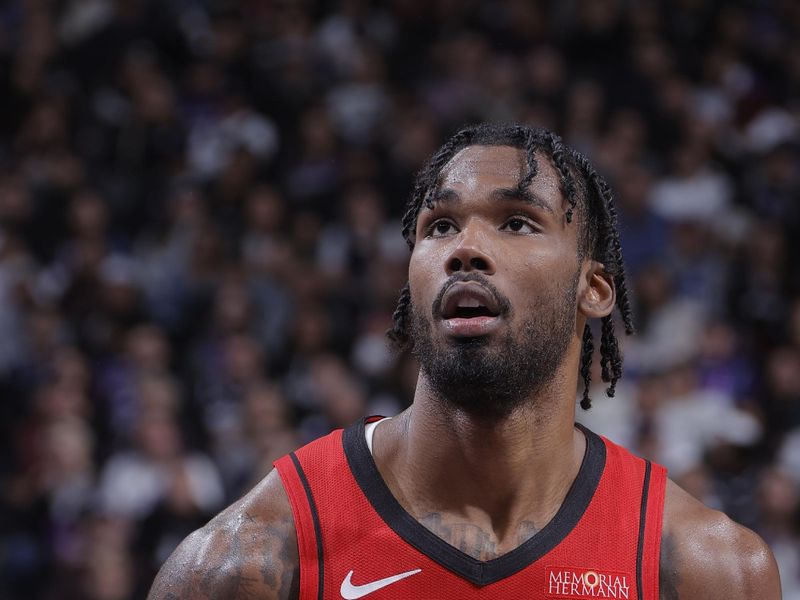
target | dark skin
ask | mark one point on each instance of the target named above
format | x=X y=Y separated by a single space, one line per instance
x=430 y=455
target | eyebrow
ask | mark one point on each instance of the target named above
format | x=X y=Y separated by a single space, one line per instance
x=448 y=195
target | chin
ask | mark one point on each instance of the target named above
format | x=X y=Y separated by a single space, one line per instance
x=490 y=376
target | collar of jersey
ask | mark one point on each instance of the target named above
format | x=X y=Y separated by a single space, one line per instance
x=476 y=571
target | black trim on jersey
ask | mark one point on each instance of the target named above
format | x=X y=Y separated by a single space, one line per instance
x=475 y=571
x=315 y=517
x=642 y=523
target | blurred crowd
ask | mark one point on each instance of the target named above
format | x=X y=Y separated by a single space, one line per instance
x=200 y=246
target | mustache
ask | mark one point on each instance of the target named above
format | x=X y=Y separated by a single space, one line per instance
x=502 y=302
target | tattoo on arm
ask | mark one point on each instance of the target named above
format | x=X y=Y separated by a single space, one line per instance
x=471 y=539
x=243 y=561
x=274 y=566
x=668 y=578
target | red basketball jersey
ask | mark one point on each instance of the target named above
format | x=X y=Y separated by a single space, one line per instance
x=356 y=541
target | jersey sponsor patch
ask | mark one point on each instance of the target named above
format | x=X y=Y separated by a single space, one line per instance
x=572 y=582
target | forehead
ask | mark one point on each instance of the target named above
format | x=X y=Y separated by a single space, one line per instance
x=480 y=168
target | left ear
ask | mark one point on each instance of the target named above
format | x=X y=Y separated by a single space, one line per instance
x=596 y=292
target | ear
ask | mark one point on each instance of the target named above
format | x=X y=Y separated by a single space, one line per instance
x=596 y=292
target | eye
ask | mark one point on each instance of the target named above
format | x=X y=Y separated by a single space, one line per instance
x=519 y=225
x=440 y=228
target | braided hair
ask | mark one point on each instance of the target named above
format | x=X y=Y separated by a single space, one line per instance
x=582 y=187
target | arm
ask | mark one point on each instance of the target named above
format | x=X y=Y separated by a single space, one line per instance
x=249 y=550
x=705 y=555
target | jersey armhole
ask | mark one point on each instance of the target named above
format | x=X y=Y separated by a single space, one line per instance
x=306 y=524
x=652 y=532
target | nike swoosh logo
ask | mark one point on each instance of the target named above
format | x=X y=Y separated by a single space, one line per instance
x=353 y=592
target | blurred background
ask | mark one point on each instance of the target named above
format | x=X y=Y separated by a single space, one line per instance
x=200 y=246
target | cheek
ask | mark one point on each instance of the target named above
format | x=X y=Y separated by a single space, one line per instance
x=540 y=264
x=424 y=276
x=420 y=276
x=540 y=275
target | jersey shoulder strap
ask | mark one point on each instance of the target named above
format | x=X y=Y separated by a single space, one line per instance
x=632 y=476
x=317 y=454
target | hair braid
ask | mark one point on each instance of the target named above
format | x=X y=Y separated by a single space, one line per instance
x=586 y=366
x=623 y=298
x=557 y=151
x=425 y=184
x=530 y=142
x=610 y=360
x=609 y=252
x=399 y=331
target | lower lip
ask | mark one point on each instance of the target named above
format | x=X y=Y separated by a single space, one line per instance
x=473 y=327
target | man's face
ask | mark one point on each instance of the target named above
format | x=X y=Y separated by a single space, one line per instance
x=494 y=279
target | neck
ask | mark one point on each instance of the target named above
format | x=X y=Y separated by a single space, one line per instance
x=499 y=473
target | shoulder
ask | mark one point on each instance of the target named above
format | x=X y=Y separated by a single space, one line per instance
x=249 y=550
x=704 y=554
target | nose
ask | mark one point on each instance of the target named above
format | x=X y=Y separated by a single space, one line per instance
x=470 y=254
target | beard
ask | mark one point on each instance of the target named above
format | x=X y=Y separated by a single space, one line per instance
x=488 y=377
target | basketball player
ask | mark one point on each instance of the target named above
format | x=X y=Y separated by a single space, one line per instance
x=485 y=487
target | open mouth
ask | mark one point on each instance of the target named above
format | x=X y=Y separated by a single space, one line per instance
x=469 y=301
x=469 y=312
x=468 y=309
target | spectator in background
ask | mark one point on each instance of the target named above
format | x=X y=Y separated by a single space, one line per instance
x=121 y=378
x=643 y=233
x=199 y=258
x=669 y=325
x=157 y=469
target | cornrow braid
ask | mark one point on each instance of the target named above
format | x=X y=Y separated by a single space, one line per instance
x=582 y=187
